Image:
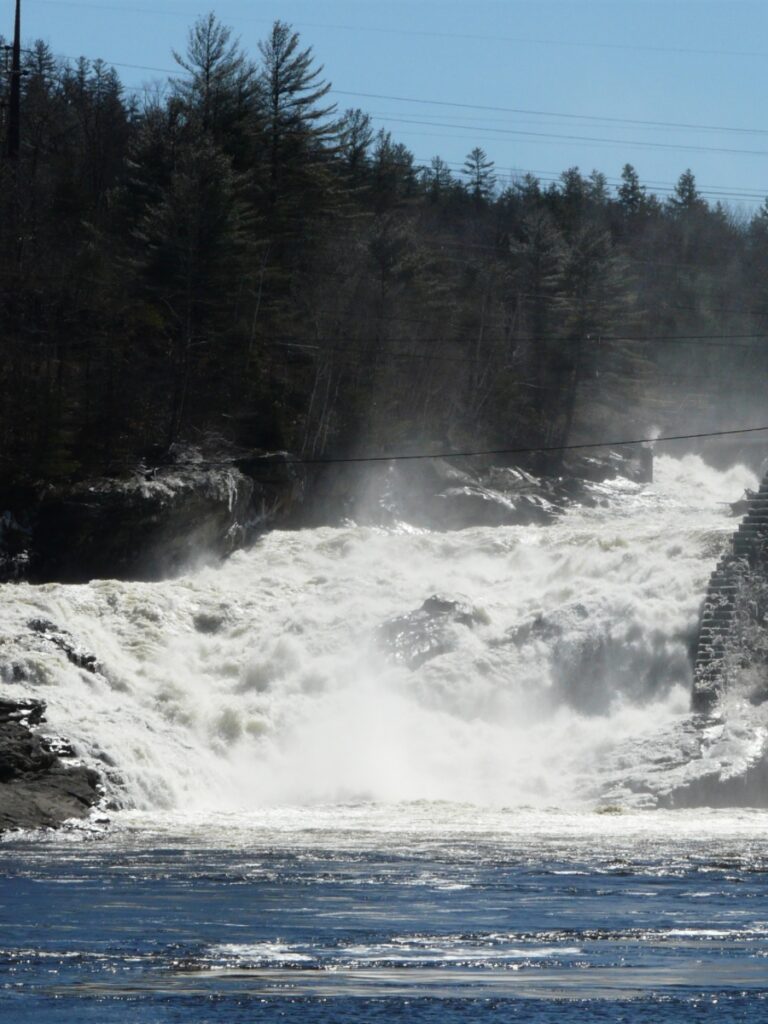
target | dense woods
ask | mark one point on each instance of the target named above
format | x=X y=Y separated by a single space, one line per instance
x=231 y=254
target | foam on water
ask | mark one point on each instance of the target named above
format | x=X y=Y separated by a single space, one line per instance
x=260 y=682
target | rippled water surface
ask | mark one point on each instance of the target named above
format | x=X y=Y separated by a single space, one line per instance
x=420 y=911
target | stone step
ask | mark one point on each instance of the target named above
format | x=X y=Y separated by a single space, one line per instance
x=709 y=658
x=742 y=547
x=712 y=672
x=709 y=670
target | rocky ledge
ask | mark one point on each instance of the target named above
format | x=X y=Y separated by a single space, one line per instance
x=148 y=524
x=41 y=783
x=448 y=493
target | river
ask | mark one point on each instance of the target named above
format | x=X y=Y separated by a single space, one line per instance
x=299 y=825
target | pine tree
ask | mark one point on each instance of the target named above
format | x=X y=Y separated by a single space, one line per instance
x=479 y=172
x=195 y=255
x=631 y=193
x=437 y=179
x=220 y=96
x=686 y=198
x=298 y=132
x=393 y=175
x=594 y=296
x=356 y=136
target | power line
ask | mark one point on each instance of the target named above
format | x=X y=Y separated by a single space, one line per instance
x=528 y=112
x=552 y=136
x=591 y=44
x=532 y=135
x=523 y=451
x=181 y=73
x=549 y=113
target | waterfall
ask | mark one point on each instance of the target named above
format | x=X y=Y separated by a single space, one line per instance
x=267 y=680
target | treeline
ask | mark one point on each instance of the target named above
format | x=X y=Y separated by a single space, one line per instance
x=229 y=254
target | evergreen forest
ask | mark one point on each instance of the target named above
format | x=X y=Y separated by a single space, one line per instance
x=231 y=255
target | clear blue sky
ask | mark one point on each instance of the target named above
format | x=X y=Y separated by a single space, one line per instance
x=681 y=62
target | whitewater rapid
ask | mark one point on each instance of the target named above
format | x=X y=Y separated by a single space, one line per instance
x=264 y=682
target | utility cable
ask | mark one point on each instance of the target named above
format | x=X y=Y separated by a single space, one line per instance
x=579 y=138
x=521 y=451
x=636 y=122
x=431 y=33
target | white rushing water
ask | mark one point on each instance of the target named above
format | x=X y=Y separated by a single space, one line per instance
x=262 y=682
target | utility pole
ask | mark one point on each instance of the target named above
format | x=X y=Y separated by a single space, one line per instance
x=13 y=139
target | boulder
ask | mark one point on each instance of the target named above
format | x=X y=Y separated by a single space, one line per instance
x=429 y=631
x=38 y=788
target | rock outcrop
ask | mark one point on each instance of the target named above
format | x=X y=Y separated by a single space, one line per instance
x=149 y=524
x=41 y=782
x=448 y=494
x=428 y=632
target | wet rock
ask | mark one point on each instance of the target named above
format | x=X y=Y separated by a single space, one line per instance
x=634 y=462
x=60 y=638
x=745 y=789
x=26 y=710
x=445 y=493
x=38 y=788
x=147 y=524
x=428 y=632
x=15 y=540
x=208 y=622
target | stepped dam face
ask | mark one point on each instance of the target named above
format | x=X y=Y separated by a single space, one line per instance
x=545 y=665
x=732 y=650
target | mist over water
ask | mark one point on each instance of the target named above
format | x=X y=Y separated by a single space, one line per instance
x=264 y=681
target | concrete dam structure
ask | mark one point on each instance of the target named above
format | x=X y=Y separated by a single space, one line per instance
x=732 y=650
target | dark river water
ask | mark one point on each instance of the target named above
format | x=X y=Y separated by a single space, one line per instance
x=418 y=912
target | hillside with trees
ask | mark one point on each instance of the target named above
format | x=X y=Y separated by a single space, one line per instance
x=231 y=254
